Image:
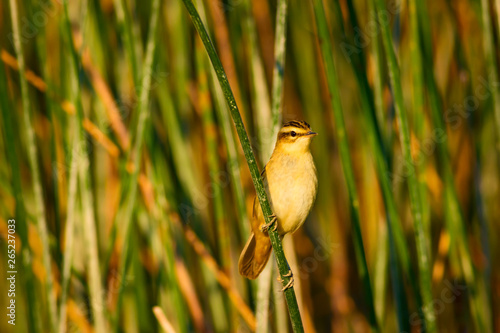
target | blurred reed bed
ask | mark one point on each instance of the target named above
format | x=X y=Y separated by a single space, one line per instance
x=132 y=196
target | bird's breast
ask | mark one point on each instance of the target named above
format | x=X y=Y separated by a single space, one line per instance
x=292 y=185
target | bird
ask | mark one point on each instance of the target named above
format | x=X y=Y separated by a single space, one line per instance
x=291 y=184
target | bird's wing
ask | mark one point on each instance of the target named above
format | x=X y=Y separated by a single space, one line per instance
x=256 y=203
x=263 y=173
x=257 y=216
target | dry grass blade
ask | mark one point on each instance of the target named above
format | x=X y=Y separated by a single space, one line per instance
x=162 y=319
x=221 y=277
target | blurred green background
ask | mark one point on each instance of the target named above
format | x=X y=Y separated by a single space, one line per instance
x=131 y=194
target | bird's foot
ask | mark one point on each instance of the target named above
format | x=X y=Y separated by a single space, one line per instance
x=290 y=283
x=272 y=224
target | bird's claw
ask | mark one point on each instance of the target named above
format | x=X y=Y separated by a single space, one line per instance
x=271 y=223
x=290 y=282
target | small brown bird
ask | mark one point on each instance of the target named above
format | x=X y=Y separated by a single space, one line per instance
x=291 y=185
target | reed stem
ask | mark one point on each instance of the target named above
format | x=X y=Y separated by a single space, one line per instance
x=283 y=267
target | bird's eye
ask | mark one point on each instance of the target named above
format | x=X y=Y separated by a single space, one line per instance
x=292 y=133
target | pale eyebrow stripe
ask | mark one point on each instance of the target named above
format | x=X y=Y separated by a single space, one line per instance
x=284 y=134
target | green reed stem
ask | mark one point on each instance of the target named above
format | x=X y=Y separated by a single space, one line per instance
x=124 y=216
x=418 y=103
x=233 y=164
x=90 y=234
x=423 y=255
x=264 y=283
x=125 y=25
x=166 y=240
x=69 y=233
x=372 y=108
x=375 y=120
x=35 y=168
x=331 y=76
x=209 y=129
x=491 y=52
x=259 y=92
x=22 y=224
x=279 y=66
x=454 y=218
x=250 y=158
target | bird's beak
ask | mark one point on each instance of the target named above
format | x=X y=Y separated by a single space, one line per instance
x=311 y=133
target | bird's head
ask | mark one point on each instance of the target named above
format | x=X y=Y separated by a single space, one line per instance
x=294 y=137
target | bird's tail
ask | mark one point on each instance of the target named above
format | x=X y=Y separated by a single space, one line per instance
x=254 y=257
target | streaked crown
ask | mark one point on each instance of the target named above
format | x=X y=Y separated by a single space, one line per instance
x=293 y=130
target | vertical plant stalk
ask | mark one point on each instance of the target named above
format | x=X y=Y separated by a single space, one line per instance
x=94 y=275
x=497 y=8
x=183 y=165
x=35 y=169
x=279 y=65
x=232 y=159
x=265 y=282
x=166 y=242
x=378 y=84
x=378 y=140
x=399 y=254
x=380 y=274
x=331 y=76
x=220 y=276
x=250 y=158
x=205 y=110
x=233 y=162
x=489 y=50
x=424 y=260
x=221 y=35
x=418 y=100
x=125 y=23
x=10 y=140
x=69 y=232
x=454 y=218
x=41 y=46
x=125 y=215
x=260 y=96
x=263 y=299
